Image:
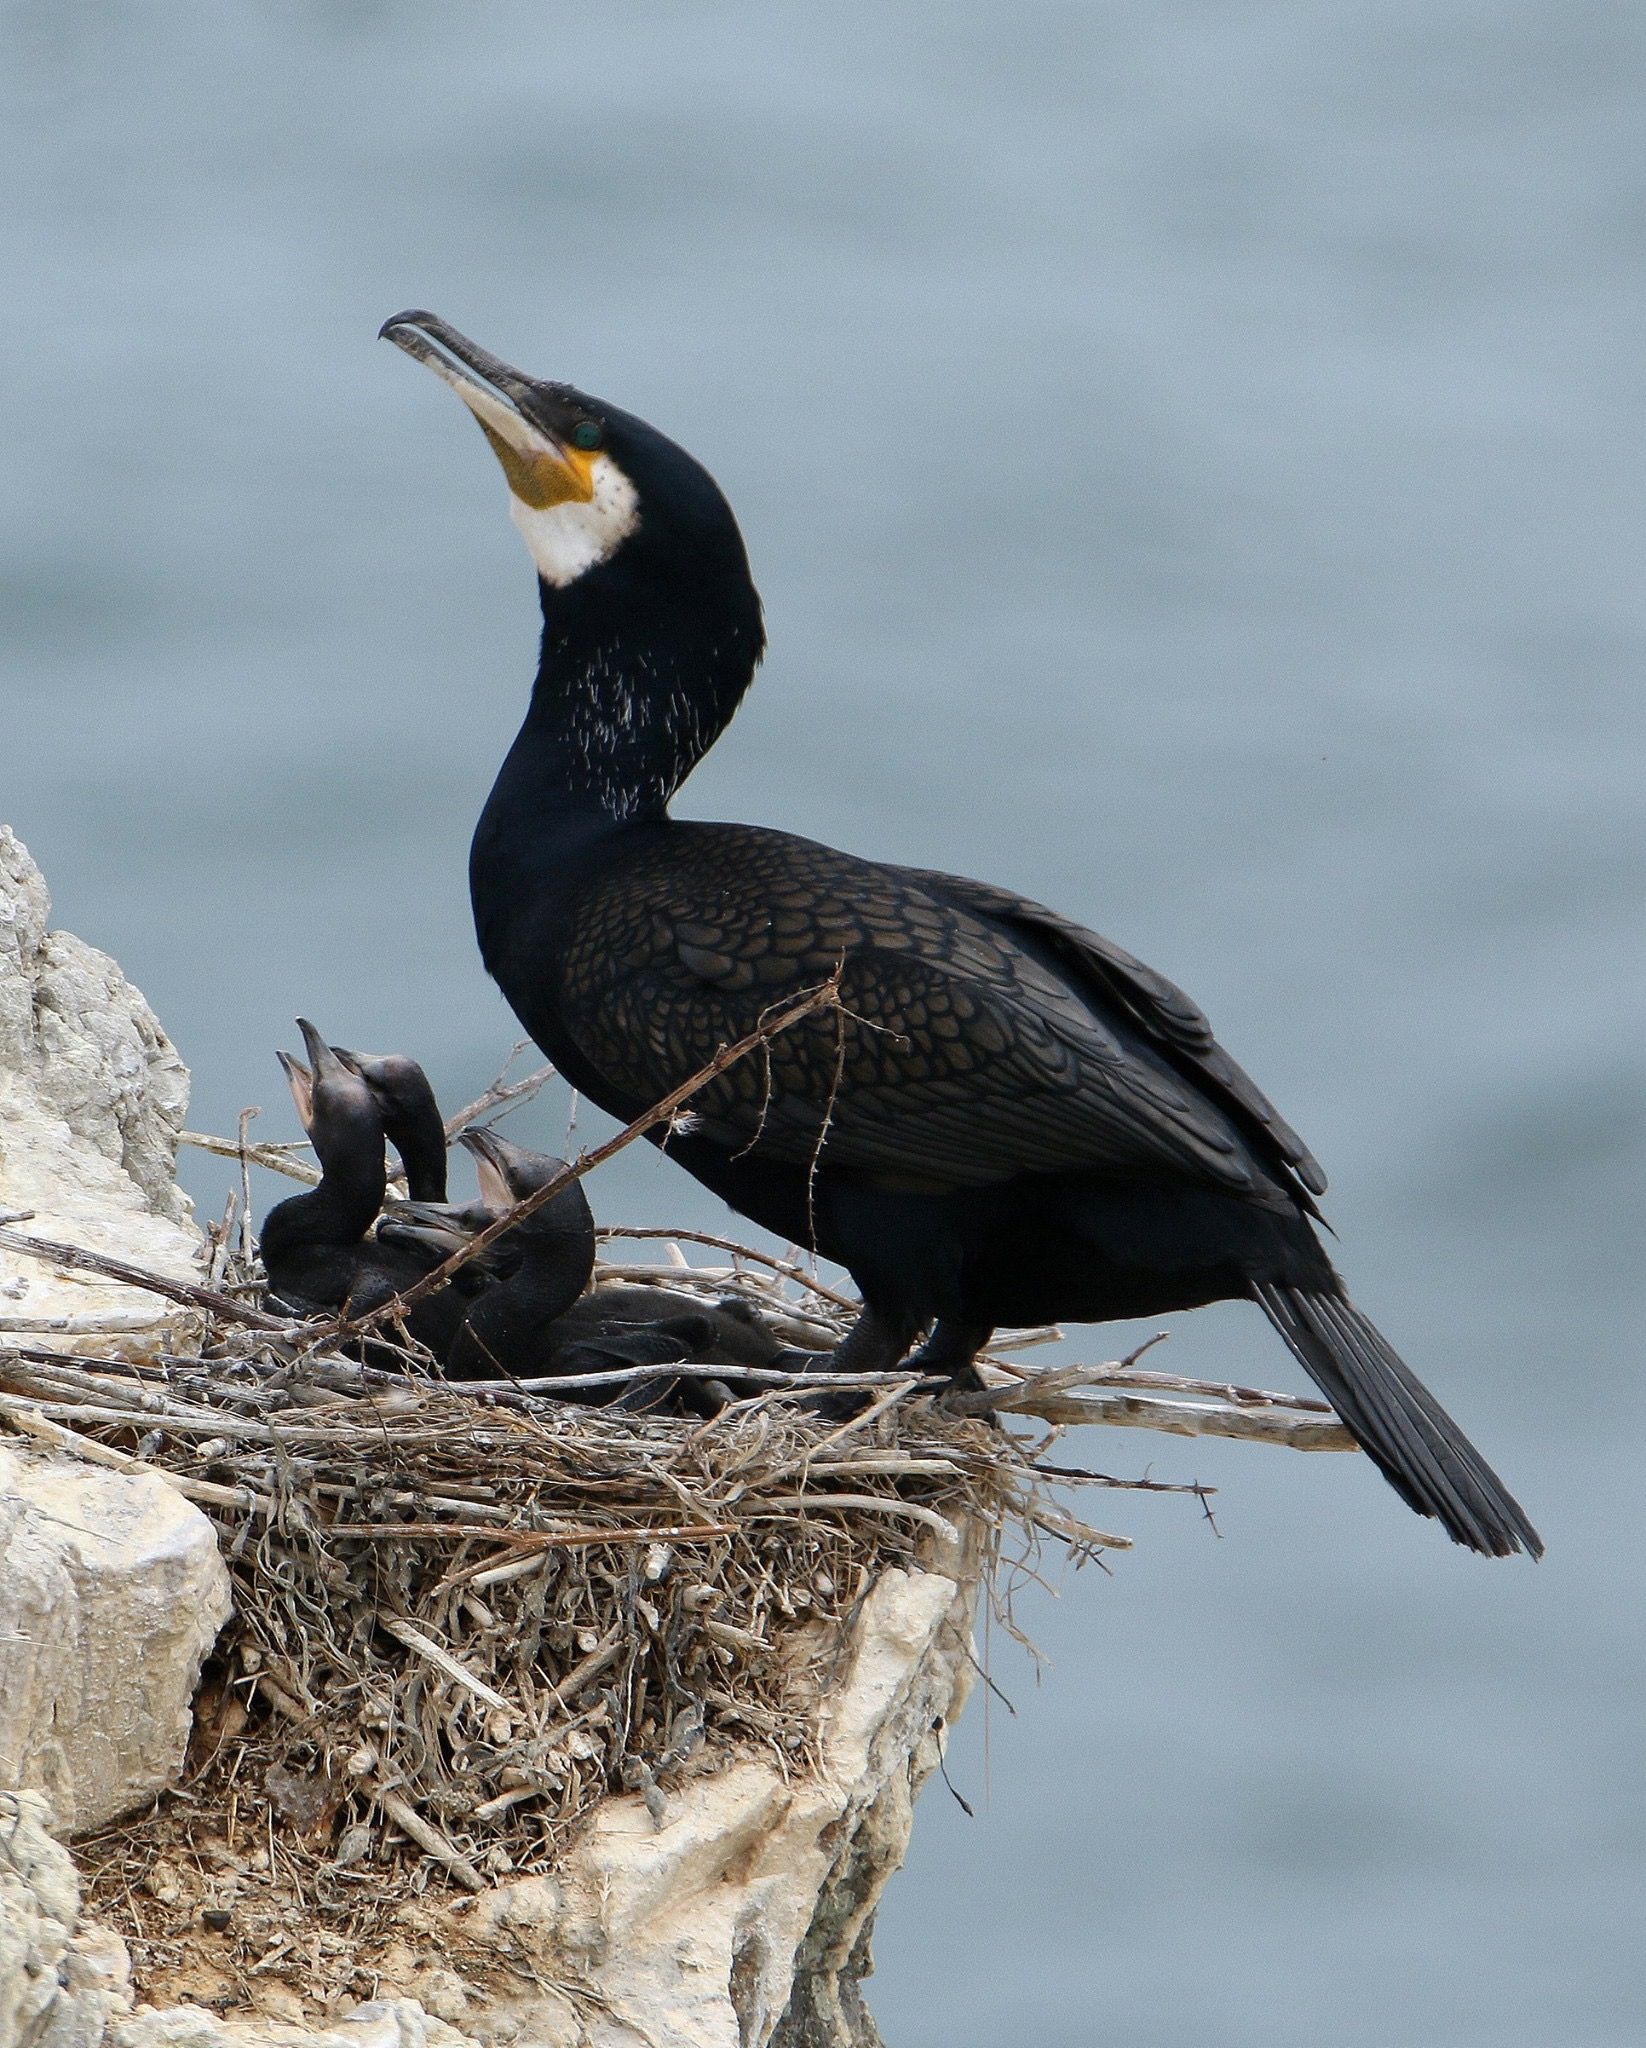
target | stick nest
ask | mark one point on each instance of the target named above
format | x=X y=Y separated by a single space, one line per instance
x=464 y=1618
x=461 y=1622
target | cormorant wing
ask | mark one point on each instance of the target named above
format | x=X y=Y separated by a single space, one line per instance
x=1170 y=1017
x=962 y=1054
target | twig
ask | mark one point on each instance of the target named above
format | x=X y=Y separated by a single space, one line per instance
x=1073 y=1531
x=772 y=1506
x=755 y=1375
x=786 y=1267
x=404 y=1815
x=277 y=1158
x=1220 y=1390
x=347 y=1327
x=443 y=1660
x=77 y=1259
x=501 y=1092
x=532 y=1541
x=1185 y=1418
x=246 y=1247
x=428 y=1838
x=32 y=1423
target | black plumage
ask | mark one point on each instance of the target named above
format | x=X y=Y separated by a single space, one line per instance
x=412 y=1122
x=1008 y=1120
x=543 y=1319
x=317 y=1247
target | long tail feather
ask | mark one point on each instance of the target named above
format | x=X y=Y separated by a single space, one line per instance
x=1399 y=1424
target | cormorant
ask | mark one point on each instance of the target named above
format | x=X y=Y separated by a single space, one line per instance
x=316 y=1247
x=412 y=1122
x=540 y=1320
x=1008 y=1119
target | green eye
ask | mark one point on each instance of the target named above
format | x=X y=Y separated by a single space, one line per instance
x=586 y=435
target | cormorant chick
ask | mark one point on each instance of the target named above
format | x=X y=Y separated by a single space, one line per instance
x=541 y=1321
x=1007 y=1120
x=412 y=1122
x=316 y=1247
x=414 y=1126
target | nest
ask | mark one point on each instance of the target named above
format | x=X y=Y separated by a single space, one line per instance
x=463 y=1618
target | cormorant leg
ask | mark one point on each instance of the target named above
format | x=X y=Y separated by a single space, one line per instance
x=952 y=1349
x=875 y=1343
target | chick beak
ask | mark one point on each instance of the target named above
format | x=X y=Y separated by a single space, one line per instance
x=301 y=1083
x=322 y=1059
x=490 y=1166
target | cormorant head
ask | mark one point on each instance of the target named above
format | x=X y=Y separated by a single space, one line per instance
x=335 y=1107
x=508 y=1173
x=588 y=482
x=411 y=1117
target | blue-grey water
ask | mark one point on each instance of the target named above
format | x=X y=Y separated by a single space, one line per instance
x=1192 y=458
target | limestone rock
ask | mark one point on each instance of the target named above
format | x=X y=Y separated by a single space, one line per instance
x=385 y=2023
x=55 y=1991
x=92 y=1097
x=112 y=1590
x=743 y=1918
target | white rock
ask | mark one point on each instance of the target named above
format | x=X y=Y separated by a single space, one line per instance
x=743 y=1919
x=385 y=2023
x=53 y=1992
x=112 y=1590
x=92 y=1097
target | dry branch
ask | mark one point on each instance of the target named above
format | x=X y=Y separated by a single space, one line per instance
x=277 y=1158
x=76 y=1259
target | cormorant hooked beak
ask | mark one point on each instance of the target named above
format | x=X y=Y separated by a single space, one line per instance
x=522 y=419
x=324 y=1061
x=324 y=1065
x=492 y=1165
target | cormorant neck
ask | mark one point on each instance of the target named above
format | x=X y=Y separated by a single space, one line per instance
x=645 y=658
x=634 y=685
x=337 y=1213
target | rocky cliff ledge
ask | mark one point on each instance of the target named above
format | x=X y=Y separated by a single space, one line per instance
x=92 y=1099
x=727 y=1904
x=740 y=1915
x=378 y=1714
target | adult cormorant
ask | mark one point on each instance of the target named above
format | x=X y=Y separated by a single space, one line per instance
x=1008 y=1119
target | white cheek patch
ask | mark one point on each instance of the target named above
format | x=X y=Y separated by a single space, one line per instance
x=565 y=540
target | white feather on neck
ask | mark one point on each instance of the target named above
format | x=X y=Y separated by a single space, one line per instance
x=567 y=539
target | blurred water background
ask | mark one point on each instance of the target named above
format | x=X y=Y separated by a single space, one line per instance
x=1191 y=456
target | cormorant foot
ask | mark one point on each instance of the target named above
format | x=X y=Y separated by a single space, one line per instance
x=828 y=1404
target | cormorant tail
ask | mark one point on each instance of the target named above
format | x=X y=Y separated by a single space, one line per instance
x=1397 y=1422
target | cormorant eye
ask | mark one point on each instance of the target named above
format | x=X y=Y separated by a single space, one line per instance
x=586 y=435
